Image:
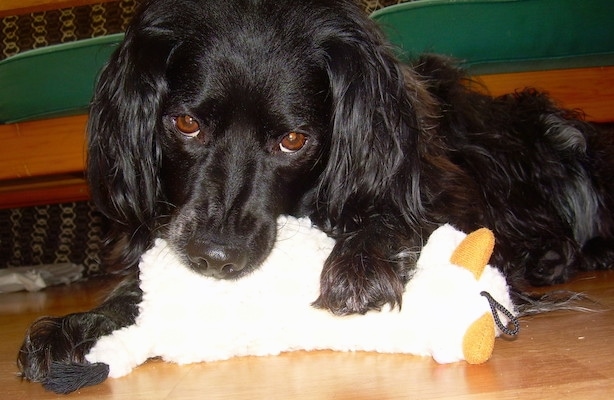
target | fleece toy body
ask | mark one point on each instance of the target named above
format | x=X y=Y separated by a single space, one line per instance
x=185 y=317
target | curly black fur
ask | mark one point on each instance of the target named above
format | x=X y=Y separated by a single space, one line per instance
x=188 y=140
x=54 y=349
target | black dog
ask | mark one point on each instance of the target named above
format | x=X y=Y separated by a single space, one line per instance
x=215 y=117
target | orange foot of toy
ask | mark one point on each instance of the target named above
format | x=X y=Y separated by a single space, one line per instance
x=479 y=340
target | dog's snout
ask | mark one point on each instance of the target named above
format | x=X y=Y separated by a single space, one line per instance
x=216 y=261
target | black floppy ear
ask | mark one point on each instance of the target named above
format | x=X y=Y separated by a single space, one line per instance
x=377 y=120
x=123 y=152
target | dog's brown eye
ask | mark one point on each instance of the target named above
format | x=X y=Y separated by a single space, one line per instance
x=187 y=125
x=292 y=142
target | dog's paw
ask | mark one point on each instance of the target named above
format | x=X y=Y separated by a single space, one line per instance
x=55 y=344
x=552 y=267
x=358 y=283
x=46 y=342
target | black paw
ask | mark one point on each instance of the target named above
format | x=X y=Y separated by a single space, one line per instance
x=53 y=353
x=45 y=342
x=553 y=267
x=358 y=283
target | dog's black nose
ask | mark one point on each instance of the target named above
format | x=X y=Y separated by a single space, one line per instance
x=216 y=261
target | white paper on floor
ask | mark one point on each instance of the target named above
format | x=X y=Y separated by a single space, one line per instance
x=33 y=278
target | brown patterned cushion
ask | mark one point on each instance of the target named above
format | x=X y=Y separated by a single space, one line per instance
x=40 y=29
x=30 y=31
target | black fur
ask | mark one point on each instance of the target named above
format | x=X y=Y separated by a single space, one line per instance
x=392 y=151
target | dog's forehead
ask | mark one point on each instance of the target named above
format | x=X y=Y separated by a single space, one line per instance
x=222 y=73
x=264 y=56
x=247 y=24
x=225 y=15
x=246 y=63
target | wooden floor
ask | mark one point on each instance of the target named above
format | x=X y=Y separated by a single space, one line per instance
x=562 y=355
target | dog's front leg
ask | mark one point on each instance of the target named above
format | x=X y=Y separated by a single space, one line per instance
x=54 y=349
x=365 y=271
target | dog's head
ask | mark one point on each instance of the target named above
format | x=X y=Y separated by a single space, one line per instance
x=215 y=117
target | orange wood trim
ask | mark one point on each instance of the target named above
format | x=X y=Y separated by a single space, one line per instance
x=48 y=191
x=18 y=7
x=44 y=147
x=588 y=89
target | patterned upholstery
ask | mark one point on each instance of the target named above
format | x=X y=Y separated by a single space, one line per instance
x=30 y=31
x=58 y=233
x=372 y=5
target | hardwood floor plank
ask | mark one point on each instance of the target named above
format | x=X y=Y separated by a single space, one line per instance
x=561 y=355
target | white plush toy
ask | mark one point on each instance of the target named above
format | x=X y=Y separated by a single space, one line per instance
x=185 y=317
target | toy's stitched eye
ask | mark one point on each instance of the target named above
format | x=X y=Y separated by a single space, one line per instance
x=292 y=142
x=187 y=125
